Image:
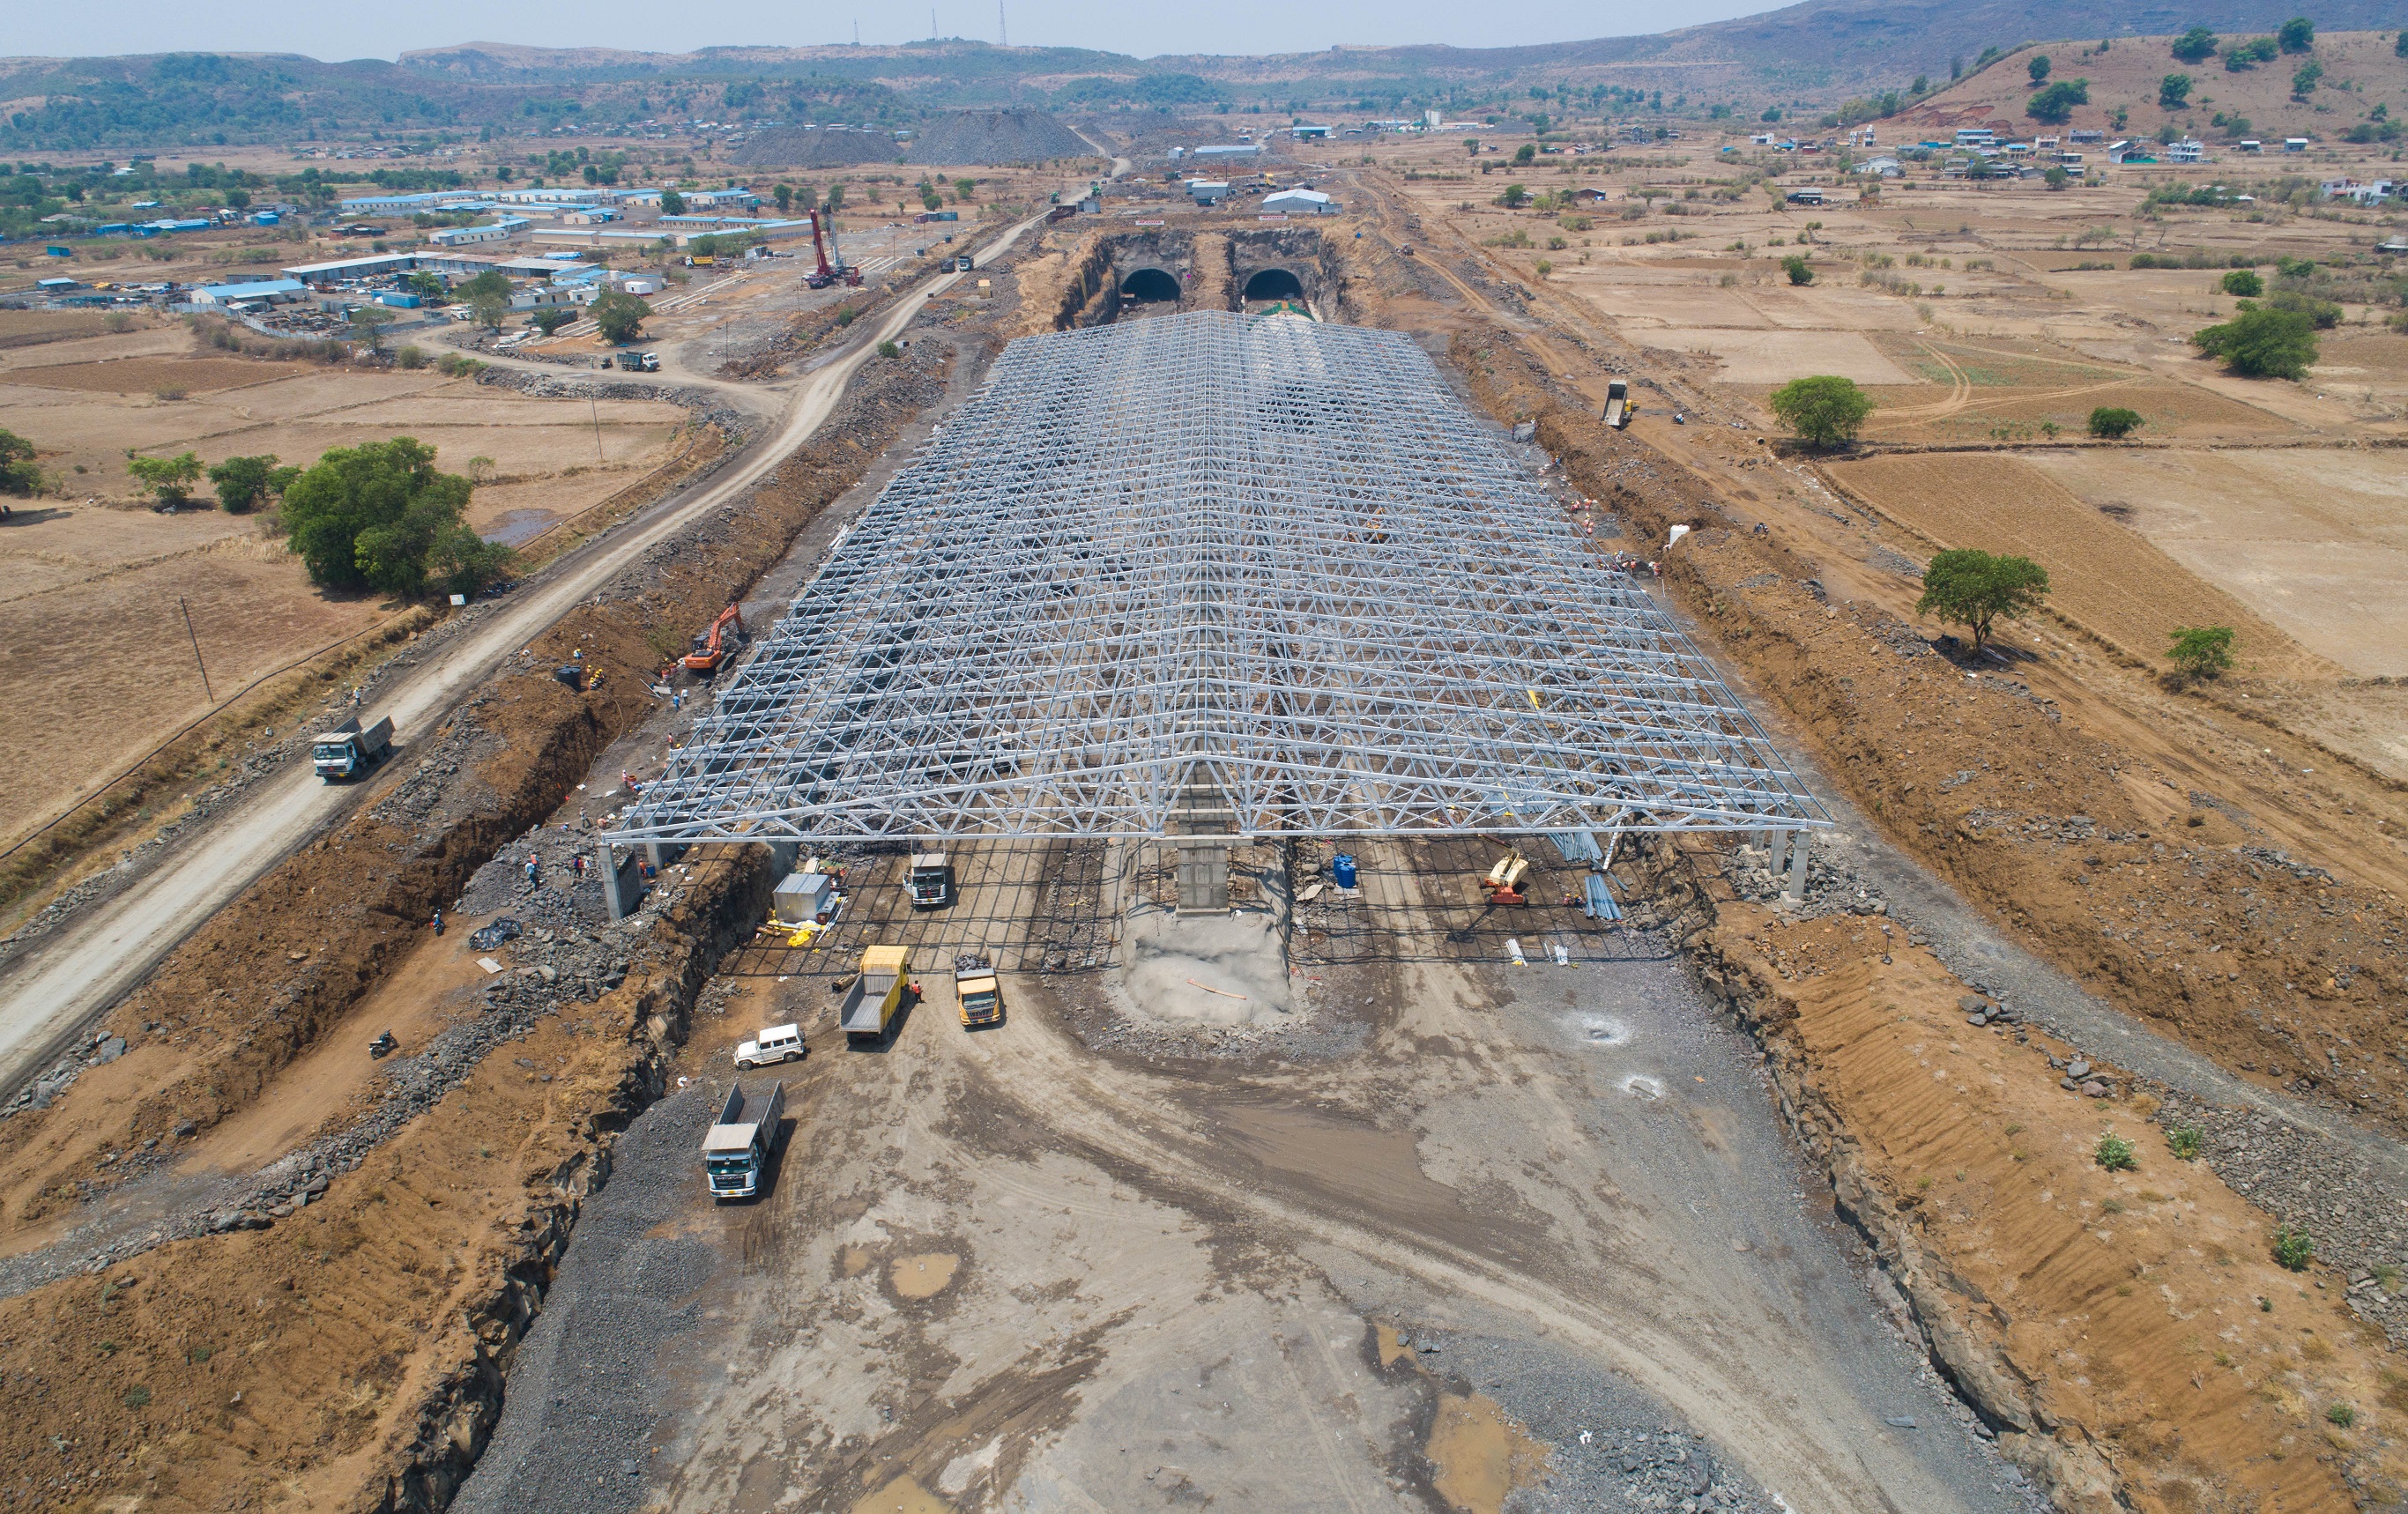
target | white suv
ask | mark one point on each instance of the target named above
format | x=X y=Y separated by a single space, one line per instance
x=777 y=1044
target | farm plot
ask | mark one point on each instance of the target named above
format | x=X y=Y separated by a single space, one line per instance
x=2111 y=580
x=2314 y=539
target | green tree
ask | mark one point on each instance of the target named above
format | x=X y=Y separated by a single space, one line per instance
x=169 y=478
x=20 y=474
x=1472 y=145
x=1974 y=588
x=672 y=203
x=245 y=483
x=2303 y=79
x=2400 y=44
x=963 y=190
x=784 y=195
x=551 y=318
x=930 y=199
x=620 y=315
x=460 y=562
x=2054 y=104
x=2262 y=343
x=2038 y=69
x=367 y=325
x=1797 y=268
x=2322 y=313
x=2113 y=421
x=1514 y=197
x=2202 y=652
x=1524 y=154
x=2055 y=178
x=2244 y=282
x=370 y=516
x=1824 y=410
x=2173 y=92
x=2298 y=35
x=2197 y=45
x=429 y=287
x=488 y=299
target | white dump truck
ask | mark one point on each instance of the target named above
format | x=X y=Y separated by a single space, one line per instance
x=931 y=880
x=736 y=1151
x=1618 y=403
x=347 y=751
x=774 y=1045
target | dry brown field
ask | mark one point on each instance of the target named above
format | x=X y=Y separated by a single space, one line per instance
x=93 y=592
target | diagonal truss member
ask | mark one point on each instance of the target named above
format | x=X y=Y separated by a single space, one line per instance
x=1210 y=574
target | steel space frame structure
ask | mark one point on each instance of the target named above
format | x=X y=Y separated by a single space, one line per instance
x=1212 y=573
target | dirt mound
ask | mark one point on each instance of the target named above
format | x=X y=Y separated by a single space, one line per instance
x=1955 y=1149
x=815 y=146
x=978 y=137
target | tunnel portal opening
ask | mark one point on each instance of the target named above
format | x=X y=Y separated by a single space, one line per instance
x=1273 y=284
x=1150 y=286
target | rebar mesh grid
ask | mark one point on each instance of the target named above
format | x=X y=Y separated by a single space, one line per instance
x=1214 y=572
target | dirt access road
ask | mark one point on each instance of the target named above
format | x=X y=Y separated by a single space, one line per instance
x=50 y=993
x=1465 y=1228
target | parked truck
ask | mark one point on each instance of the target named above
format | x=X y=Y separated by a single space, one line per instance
x=932 y=880
x=977 y=991
x=736 y=1151
x=1618 y=403
x=347 y=751
x=876 y=995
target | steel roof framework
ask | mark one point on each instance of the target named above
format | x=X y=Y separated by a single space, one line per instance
x=1211 y=572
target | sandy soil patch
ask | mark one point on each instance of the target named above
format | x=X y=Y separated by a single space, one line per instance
x=110 y=667
x=147 y=374
x=2314 y=539
x=154 y=341
x=1775 y=357
x=2110 y=579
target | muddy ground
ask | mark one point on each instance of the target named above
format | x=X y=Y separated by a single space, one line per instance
x=1533 y=1229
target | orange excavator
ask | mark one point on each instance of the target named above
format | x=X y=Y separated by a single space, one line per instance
x=713 y=647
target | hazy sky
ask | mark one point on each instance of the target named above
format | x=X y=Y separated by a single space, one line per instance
x=1230 y=26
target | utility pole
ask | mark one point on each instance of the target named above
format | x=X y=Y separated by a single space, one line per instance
x=596 y=406
x=1002 y=31
x=213 y=693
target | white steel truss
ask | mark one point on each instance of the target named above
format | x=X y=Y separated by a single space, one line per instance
x=1218 y=574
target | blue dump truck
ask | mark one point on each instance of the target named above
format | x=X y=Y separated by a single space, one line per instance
x=736 y=1151
x=347 y=751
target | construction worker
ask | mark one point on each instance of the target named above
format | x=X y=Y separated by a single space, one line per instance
x=534 y=872
x=438 y=923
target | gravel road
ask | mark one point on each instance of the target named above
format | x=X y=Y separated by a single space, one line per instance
x=586 y=1388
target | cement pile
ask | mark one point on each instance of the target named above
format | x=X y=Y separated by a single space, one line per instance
x=981 y=136
x=816 y=146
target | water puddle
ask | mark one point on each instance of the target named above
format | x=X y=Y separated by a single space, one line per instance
x=515 y=526
x=923 y=1275
x=1481 y=1455
x=902 y=1496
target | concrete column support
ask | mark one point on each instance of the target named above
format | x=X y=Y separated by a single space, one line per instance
x=1204 y=878
x=610 y=867
x=1797 y=889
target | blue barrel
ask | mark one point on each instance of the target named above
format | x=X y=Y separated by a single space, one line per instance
x=1342 y=869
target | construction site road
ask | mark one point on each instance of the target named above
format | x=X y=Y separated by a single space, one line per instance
x=50 y=993
x=1028 y=1275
